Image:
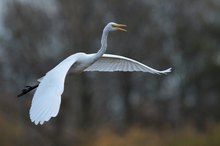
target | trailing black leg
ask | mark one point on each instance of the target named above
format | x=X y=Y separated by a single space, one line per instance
x=27 y=89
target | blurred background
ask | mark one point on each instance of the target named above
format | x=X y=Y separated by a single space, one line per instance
x=106 y=109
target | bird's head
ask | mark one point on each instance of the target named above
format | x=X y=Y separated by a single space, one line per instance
x=112 y=26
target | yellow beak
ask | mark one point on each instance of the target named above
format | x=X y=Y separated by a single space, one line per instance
x=120 y=25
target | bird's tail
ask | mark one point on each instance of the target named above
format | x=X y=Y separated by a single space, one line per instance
x=27 y=89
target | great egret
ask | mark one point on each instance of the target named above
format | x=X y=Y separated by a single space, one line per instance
x=47 y=98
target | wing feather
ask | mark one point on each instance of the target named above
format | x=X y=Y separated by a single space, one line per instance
x=47 y=98
x=111 y=63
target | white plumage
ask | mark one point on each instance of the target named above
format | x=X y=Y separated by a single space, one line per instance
x=111 y=63
x=47 y=98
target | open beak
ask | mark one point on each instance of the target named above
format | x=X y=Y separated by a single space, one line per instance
x=117 y=26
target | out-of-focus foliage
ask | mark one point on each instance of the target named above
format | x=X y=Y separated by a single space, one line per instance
x=186 y=136
x=184 y=35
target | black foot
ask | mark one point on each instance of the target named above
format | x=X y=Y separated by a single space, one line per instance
x=26 y=90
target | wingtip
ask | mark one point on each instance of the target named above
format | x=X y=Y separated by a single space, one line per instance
x=167 y=71
x=36 y=122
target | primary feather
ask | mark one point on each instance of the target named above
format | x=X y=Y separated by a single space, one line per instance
x=47 y=98
x=111 y=63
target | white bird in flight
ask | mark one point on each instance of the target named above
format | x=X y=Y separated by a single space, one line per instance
x=47 y=98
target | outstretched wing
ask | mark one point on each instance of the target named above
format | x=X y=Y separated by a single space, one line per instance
x=111 y=63
x=47 y=98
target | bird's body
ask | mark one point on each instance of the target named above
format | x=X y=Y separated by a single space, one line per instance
x=47 y=98
x=84 y=60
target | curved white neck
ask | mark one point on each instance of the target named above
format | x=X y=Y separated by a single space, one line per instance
x=103 y=43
